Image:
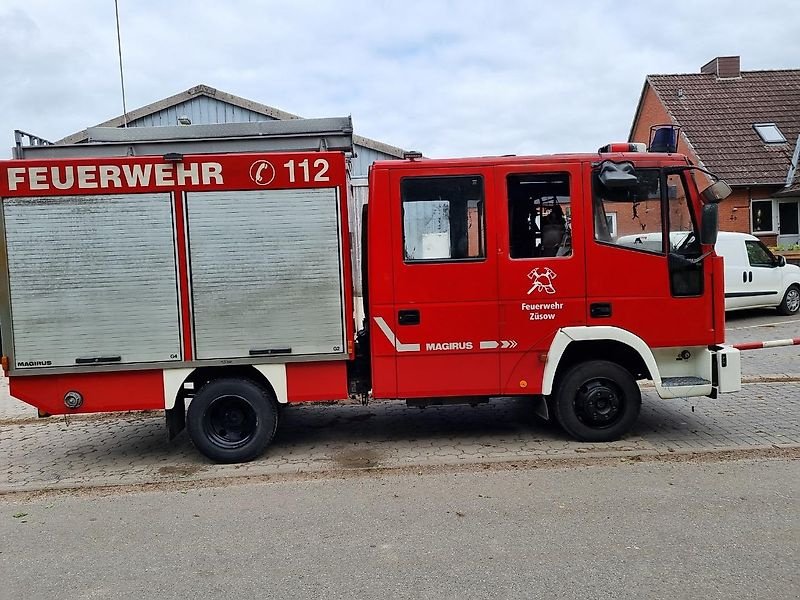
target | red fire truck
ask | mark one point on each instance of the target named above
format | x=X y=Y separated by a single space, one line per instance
x=218 y=277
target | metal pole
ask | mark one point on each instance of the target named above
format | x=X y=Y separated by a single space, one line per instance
x=121 y=76
x=769 y=344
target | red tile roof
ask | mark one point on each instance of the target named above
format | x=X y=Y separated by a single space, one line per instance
x=792 y=190
x=717 y=117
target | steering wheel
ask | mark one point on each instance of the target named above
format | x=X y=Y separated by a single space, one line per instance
x=684 y=245
x=687 y=241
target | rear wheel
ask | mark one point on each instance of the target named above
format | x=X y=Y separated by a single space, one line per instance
x=790 y=304
x=597 y=401
x=232 y=420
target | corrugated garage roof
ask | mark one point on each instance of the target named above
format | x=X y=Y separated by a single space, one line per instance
x=237 y=101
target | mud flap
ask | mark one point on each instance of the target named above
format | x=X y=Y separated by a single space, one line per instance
x=541 y=408
x=176 y=419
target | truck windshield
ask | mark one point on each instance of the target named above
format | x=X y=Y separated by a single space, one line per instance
x=682 y=225
x=654 y=216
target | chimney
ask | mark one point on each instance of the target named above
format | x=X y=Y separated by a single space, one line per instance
x=724 y=67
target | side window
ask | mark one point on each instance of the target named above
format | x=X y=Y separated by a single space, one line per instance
x=630 y=218
x=443 y=218
x=539 y=215
x=758 y=255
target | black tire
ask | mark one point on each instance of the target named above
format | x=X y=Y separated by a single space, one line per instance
x=597 y=401
x=232 y=420
x=790 y=305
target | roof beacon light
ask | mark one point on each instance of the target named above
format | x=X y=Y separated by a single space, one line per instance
x=664 y=138
x=623 y=147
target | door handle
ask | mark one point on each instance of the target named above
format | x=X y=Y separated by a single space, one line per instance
x=744 y=276
x=600 y=310
x=96 y=360
x=268 y=351
x=750 y=277
x=408 y=317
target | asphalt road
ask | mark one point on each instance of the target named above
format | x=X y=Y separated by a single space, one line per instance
x=646 y=530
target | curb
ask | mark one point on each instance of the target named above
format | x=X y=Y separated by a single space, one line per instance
x=777 y=378
x=566 y=460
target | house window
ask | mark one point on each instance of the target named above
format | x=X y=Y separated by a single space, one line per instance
x=443 y=218
x=611 y=223
x=769 y=133
x=762 y=216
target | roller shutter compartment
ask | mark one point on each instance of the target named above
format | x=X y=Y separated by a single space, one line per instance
x=266 y=272
x=92 y=280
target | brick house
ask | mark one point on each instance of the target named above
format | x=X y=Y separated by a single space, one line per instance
x=745 y=127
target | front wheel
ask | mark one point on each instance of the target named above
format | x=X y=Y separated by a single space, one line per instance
x=597 y=401
x=791 y=301
x=232 y=420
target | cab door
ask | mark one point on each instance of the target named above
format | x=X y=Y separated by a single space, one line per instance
x=645 y=268
x=542 y=279
x=445 y=282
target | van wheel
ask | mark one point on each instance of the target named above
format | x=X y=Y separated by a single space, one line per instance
x=232 y=420
x=790 y=304
x=597 y=401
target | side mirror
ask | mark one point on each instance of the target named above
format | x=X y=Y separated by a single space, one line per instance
x=781 y=260
x=709 y=224
x=716 y=192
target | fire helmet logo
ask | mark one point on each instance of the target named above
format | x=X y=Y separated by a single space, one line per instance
x=542 y=281
x=262 y=172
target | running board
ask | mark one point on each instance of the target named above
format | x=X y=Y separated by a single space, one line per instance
x=425 y=402
x=683 y=381
x=683 y=387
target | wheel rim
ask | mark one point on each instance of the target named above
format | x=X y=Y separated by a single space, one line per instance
x=230 y=422
x=599 y=403
x=793 y=300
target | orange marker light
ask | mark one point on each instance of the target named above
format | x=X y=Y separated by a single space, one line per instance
x=523 y=384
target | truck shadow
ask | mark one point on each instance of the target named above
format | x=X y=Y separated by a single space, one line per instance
x=396 y=422
x=317 y=437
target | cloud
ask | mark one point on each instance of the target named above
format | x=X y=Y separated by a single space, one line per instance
x=448 y=78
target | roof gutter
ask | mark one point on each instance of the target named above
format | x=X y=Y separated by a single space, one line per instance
x=793 y=165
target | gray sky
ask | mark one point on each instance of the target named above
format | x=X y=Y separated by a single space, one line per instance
x=445 y=77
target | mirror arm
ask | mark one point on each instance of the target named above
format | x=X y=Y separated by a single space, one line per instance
x=682 y=168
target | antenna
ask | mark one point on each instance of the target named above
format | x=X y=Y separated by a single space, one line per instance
x=121 y=76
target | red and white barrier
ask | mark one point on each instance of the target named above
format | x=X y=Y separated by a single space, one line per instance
x=769 y=344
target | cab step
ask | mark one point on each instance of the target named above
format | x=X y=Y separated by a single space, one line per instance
x=683 y=381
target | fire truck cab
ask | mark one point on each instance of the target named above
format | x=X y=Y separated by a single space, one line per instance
x=217 y=274
x=504 y=277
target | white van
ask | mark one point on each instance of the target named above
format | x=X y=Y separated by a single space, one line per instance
x=756 y=278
